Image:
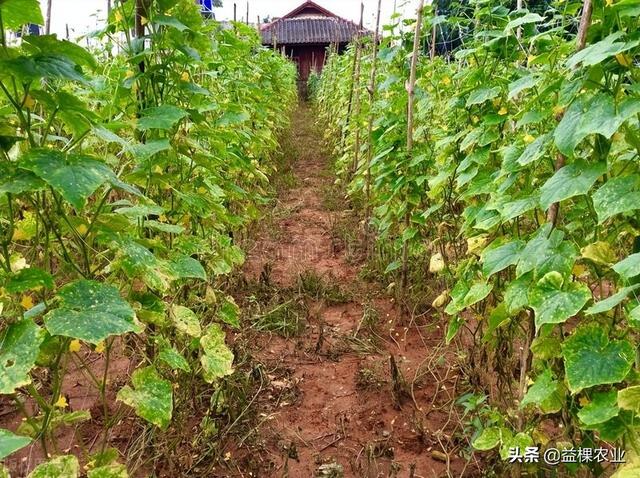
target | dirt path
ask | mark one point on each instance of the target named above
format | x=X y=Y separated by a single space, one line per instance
x=334 y=405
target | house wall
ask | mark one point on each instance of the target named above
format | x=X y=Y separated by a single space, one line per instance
x=308 y=58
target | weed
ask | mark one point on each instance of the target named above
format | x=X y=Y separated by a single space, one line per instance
x=317 y=287
x=370 y=378
x=285 y=319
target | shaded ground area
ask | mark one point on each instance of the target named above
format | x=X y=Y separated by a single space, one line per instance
x=357 y=389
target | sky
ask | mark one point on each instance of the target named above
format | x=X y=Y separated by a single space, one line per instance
x=84 y=16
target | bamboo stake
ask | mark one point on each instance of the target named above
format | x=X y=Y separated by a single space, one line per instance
x=372 y=94
x=356 y=90
x=47 y=28
x=585 y=21
x=433 y=35
x=519 y=29
x=353 y=85
x=410 y=107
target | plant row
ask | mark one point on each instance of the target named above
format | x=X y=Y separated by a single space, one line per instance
x=125 y=174
x=511 y=190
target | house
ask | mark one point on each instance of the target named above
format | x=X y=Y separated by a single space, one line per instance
x=304 y=35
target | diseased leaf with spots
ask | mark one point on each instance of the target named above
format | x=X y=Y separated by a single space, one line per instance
x=59 y=467
x=28 y=279
x=572 y=180
x=553 y=304
x=19 y=347
x=185 y=320
x=617 y=196
x=151 y=396
x=488 y=439
x=114 y=470
x=216 y=359
x=173 y=359
x=91 y=311
x=629 y=398
x=591 y=358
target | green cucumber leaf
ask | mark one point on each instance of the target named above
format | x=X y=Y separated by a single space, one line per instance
x=10 y=443
x=603 y=407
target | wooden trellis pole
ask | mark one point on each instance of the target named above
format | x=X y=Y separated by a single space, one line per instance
x=410 y=107
x=356 y=92
x=47 y=27
x=372 y=97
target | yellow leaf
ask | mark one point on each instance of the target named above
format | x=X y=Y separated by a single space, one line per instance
x=599 y=252
x=82 y=229
x=528 y=138
x=75 y=346
x=436 y=263
x=99 y=348
x=143 y=20
x=62 y=402
x=540 y=436
x=185 y=76
x=29 y=102
x=579 y=270
x=475 y=244
x=503 y=111
x=624 y=60
x=18 y=262
x=440 y=300
x=25 y=228
x=26 y=302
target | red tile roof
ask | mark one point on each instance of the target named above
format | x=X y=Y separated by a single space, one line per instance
x=309 y=30
x=309 y=23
